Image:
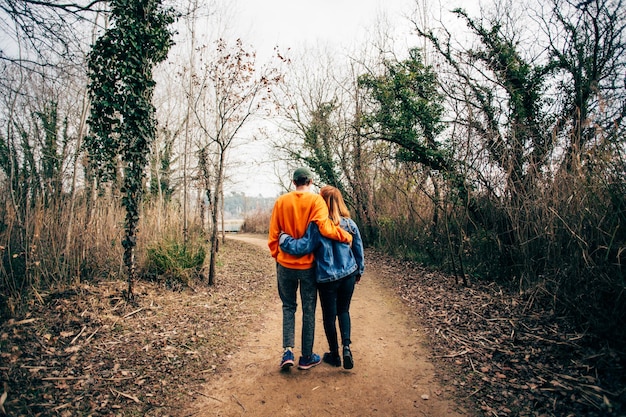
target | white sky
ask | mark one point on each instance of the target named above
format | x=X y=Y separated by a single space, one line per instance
x=294 y=23
x=291 y=23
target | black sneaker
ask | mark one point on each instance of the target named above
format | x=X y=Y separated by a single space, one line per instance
x=348 y=362
x=332 y=359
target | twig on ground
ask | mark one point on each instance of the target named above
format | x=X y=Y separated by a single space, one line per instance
x=130 y=397
x=62 y=406
x=17 y=323
x=78 y=335
x=92 y=335
x=239 y=402
x=208 y=396
x=453 y=355
x=132 y=312
x=475 y=391
x=63 y=378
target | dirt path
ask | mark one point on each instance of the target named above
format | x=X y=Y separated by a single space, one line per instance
x=392 y=375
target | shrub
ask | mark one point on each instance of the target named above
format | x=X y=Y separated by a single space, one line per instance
x=172 y=260
x=257 y=222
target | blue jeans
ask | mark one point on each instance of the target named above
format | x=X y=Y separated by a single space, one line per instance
x=288 y=282
x=335 y=297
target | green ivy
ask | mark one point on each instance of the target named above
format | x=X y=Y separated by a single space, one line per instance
x=122 y=118
x=408 y=110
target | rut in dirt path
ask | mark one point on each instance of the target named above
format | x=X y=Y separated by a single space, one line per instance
x=392 y=375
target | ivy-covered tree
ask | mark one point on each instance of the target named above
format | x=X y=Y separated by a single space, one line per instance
x=590 y=73
x=122 y=118
x=407 y=110
x=54 y=134
x=161 y=186
x=521 y=148
x=318 y=151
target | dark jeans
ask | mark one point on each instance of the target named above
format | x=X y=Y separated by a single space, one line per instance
x=335 y=299
x=288 y=282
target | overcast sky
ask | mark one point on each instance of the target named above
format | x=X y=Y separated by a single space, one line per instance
x=293 y=23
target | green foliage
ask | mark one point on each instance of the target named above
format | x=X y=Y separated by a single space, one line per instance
x=121 y=85
x=317 y=140
x=174 y=260
x=526 y=139
x=51 y=157
x=407 y=110
x=591 y=72
x=320 y=146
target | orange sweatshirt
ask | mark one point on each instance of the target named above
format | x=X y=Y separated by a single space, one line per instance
x=292 y=214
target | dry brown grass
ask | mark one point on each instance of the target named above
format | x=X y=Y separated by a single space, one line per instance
x=55 y=247
x=257 y=222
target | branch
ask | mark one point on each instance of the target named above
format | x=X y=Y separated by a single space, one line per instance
x=67 y=7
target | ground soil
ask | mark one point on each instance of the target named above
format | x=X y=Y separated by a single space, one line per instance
x=423 y=344
x=393 y=375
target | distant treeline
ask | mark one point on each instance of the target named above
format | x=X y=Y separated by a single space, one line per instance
x=237 y=205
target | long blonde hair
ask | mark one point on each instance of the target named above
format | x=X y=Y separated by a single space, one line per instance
x=334 y=200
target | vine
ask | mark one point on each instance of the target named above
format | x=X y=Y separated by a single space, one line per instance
x=122 y=117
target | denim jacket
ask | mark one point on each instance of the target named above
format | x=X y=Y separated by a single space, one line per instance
x=334 y=260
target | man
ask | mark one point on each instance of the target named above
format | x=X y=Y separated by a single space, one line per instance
x=292 y=214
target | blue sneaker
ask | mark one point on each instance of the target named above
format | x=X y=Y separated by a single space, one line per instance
x=287 y=361
x=309 y=362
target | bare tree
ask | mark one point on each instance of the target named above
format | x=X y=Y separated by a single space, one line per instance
x=312 y=104
x=46 y=33
x=322 y=108
x=231 y=90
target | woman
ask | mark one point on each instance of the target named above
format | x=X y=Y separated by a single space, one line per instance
x=338 y=267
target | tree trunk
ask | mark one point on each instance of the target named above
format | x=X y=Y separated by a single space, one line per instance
x=68 y=235
x=215 y=214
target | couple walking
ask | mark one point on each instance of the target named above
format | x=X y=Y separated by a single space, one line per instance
x=317 y=247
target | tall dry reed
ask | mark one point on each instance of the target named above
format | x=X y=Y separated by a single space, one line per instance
x=50 y=247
